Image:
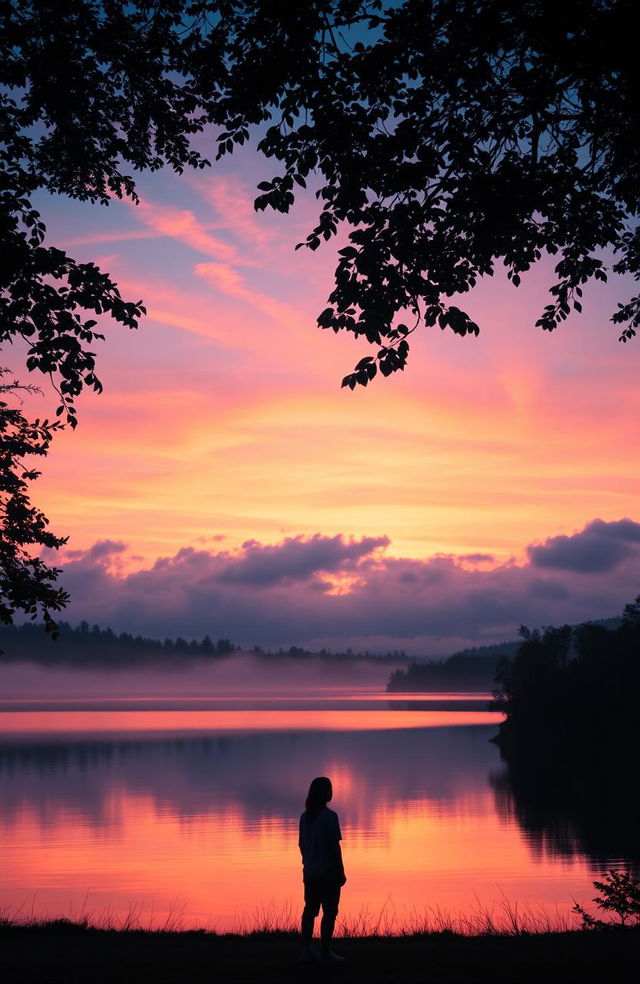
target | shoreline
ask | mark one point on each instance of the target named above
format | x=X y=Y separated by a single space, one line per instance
x=62 y=952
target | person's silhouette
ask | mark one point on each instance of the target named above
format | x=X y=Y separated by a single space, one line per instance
x=322 y=867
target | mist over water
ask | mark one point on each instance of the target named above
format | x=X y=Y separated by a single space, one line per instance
x=240 y=674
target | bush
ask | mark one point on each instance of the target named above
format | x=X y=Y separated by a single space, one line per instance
x=620 y=893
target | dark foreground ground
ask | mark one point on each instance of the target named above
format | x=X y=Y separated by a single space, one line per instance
x=52 y=954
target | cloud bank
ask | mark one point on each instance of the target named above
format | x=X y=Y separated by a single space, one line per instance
x=597 y=549
x=338 y=591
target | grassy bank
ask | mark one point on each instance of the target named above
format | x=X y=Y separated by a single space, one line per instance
x=65 y=953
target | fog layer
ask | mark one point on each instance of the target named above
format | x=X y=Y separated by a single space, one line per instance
x=239 y=675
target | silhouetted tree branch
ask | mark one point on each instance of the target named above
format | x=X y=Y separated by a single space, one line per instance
x=450 y=138
x=26 y=582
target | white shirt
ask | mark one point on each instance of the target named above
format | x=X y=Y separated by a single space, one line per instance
x=319 y=839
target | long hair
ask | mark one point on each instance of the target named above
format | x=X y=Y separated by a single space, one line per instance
x=320 y=792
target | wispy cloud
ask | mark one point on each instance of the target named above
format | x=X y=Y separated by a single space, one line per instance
x=232 y=203
x=99 y=236
x=183 y=226
x=224 y=413
x=227 y=280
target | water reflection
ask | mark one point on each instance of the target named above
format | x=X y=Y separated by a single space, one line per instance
x=259 y=774
x=208 y=818
x=574 y=808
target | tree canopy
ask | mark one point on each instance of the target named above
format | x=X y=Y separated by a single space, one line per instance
x=586 y=677
x=449 y=138
x=26 y=582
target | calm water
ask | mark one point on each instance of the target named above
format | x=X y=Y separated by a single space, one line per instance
x=190 y=815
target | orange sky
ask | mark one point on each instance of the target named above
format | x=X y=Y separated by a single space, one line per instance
x=224 y=416
x=223 y=419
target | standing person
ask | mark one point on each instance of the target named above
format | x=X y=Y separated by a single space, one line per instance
x=322 y=867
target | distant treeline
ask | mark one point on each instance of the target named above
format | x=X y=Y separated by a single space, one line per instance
x=468 y=669
x=574 y=688
x=87 y=646
x=297 y=652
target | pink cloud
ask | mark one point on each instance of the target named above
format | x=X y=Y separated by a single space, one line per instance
x=101 y=551
x=297 y=558
x=187 y=307
x=227 y=280
x=122 y=236
x=182 y=225
x=233 y=205
x=285 y=593
x=230 y=391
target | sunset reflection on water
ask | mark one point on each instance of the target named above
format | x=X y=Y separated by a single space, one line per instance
x=192 y=816
x=159 y=722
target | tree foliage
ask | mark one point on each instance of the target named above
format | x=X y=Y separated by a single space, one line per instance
x=620 y=894
x=572 y=689
x=468 y=669
x=90 y=646
x=27 y=583
x=450 y=138
x=85 y=95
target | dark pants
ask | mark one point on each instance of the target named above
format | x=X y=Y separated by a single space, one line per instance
x=321 y=891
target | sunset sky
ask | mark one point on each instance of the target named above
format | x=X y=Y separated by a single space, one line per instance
x=225 y=483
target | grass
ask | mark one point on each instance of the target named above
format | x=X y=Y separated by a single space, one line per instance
x=503 y=919
x=502 y=946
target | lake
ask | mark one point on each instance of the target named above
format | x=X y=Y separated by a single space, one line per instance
x=184 y=813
